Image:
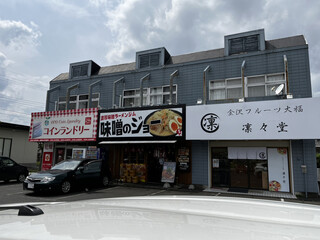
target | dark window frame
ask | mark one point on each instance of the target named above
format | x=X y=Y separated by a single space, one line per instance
x=244 y=44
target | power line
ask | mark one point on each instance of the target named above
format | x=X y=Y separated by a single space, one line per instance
x=19 y=81
x=20 y=113
x=24 y=100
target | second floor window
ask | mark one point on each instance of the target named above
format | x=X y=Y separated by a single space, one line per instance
x=255 y=86
x=151 y=96
x=79 y=101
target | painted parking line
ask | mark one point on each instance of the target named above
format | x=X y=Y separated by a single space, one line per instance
x=82 y=193
x=155 y=193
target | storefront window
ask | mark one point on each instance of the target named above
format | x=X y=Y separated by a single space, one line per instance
x=240 y=167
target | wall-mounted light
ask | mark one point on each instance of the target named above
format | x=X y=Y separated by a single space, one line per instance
x=199 y=101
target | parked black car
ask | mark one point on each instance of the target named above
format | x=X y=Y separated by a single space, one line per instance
x=10 y=170
x=67 y=175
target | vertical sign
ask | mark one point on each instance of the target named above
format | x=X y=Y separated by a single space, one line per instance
x=47 y=156
x=278 y=170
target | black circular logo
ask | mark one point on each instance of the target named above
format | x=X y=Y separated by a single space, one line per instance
x=209 y=123
x=262 y=155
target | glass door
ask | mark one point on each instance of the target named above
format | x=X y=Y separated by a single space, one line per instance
x=258 y=174
x=239 y=177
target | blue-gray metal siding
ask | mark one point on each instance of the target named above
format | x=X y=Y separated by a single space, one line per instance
x=200 y=162
x=190 y=88
x=303 y=153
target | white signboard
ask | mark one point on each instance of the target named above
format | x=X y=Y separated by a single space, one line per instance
x=69 y=125
x=274 y=119
x=278 y=170
x=136 y=123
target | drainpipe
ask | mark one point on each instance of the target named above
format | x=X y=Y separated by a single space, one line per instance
x=114 y=92
x=243 y=66
x=146 y=77
x=90 y=92
x=285 y=60
x=68 y=94
x=172 y=76
x=48 y=96
x=205 y=71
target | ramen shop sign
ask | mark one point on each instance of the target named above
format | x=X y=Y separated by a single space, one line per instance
x=159 y=123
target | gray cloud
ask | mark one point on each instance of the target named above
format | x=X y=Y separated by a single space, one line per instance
x=12 y=32
x=189 y=26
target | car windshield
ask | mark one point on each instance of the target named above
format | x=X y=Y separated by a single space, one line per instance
x=66 y=165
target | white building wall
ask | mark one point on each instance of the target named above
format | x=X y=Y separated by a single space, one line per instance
x=22 y=151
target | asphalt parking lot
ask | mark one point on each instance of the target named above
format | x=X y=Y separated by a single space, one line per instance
x=13 y=192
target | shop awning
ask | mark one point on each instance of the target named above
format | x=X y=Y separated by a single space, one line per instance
x=136 y=142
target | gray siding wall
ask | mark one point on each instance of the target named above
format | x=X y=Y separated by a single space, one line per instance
x=190 y=88
x=200 y=162
x=304 y=152
x=190 y=79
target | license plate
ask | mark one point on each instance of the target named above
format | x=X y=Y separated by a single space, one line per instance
x=30 y=185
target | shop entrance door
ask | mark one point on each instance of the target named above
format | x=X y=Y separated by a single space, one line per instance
x=239 y=173
x=251 y=174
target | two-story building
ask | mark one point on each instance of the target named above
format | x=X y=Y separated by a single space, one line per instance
x=230 y=118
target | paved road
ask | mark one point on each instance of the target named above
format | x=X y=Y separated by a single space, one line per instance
x=13 y=193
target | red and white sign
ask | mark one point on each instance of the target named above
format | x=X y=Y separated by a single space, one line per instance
x=47 y=156
x=64 y=126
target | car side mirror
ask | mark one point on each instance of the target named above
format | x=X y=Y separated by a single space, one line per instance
x=81 y=169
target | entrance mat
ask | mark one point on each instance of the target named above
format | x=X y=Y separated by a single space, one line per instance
x=239 y=190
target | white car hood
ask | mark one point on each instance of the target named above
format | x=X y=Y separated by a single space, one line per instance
x=167 y=217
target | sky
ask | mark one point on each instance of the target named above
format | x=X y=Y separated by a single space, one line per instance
x=40 y=38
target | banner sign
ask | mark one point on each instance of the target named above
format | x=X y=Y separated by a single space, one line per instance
x=63 y=126
x=47 y=156
x=168 y=172
x=278 y=170
x=166 y=122
x=274 y=119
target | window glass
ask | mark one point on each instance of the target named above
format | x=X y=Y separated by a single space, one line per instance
x=218 y=84
x=234 y=93
x=157 y=90
x=83 y=97
x=95 y=95
x=72 y=106
x=1 y=146
x=92 y=167
x=167 y=89
x=94 y=104
x=234 y=82
x=256 y=80
x=217 y=94
x=73 y=98
x=256 y=91
x=83 y=104
x=273 y=78
x=166 y=99
x=7 y=147
x=62 y=106
x=7 y=162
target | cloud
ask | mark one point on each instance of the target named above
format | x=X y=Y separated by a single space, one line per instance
x=16 y=33
x=190 y=26
x=20 y=93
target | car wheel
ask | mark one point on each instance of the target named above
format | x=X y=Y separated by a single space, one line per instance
x=65 y=187
x=21 y=177
x=105 y=181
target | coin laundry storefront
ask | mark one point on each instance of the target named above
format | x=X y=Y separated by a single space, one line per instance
x=146 y=144
x=65 y=134
x=251 y=143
